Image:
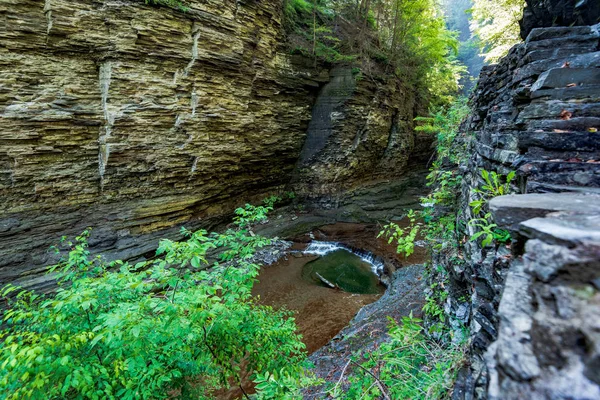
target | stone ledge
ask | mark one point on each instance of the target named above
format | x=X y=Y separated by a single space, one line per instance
x=509 y=211
x=564 y=228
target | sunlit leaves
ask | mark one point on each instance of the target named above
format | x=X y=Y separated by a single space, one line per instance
x=178 y=325
x=496 y=22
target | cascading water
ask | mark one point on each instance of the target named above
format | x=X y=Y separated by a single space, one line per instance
x=321 y=248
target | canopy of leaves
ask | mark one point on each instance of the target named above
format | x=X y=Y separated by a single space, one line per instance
x=178 y=326
x=406 y=37
x=496 y=22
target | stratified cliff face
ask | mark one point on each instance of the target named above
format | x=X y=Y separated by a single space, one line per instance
x=532 y=307
x=136 y=120
x=354 y=134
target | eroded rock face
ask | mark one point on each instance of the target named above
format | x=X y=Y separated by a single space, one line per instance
x=537 y=112
x=136 y=120
x=353 y=135
x=549 y=335
x=546 y=13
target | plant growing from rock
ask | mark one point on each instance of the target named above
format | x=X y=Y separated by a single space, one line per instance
x=495 y=185
x=409 y=366
x=488 y=231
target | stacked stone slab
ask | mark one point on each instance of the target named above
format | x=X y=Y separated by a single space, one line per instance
x=537 y=112
x=548 y=340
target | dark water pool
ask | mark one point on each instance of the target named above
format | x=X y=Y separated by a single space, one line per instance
x=345 y=270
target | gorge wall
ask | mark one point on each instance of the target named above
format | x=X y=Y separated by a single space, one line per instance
x=136 y=120
x=531 y=307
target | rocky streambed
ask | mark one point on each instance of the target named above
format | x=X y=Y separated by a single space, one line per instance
x=335 y=322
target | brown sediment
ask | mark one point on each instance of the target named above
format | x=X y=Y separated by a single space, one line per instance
x=322 y=312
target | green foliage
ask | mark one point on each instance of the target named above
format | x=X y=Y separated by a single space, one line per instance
x=497 y=25
x=422 y=48
x=489 y=231
x=444 y=122
x=251 y=214
x=408 y=37
x=495 y=185
x=433 y=304
x=404 y=237
x=294 y=9
x=409 y=366
x=283 y=385
x=438 y=227
x=173 y=327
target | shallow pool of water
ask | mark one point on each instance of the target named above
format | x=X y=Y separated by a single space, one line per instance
x=345 y=270
x=320 y=312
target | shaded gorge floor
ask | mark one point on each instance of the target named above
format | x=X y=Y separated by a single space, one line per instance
x=295 y=281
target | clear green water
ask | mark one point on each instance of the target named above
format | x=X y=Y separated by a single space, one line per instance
x=344 y=269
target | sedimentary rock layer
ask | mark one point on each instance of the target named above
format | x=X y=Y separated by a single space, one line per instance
x=537 y=112
x=136 y=120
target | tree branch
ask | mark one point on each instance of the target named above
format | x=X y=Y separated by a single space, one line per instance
x=379 y=383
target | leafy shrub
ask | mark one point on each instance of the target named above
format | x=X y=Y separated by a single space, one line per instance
x=295 y=8
x=405 y=237
x=495 y=185
x=173 y=327
x=409 y=366
x=489 y=231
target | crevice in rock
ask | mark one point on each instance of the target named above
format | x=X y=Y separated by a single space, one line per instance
x=105 y=74
x=48 y=12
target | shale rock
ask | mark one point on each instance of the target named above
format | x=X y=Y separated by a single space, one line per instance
x=533 y=302
x=135 y=120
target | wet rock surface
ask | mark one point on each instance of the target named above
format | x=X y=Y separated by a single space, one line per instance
x=368 y=329
x=531 y=305
x=136 y=120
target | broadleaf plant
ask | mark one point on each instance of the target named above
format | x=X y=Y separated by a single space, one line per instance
x=180 y=326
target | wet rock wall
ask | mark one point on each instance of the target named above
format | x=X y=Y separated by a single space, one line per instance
x=135 y=120
x=537 y=112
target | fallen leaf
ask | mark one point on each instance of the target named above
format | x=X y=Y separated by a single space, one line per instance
x=593 y=130
x=565 y=115
x=559 y=131
x=574 y=159
x=566 y=65
x=591 y=161
x=571 y=85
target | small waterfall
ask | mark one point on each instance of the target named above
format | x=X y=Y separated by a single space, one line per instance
x=321 y=248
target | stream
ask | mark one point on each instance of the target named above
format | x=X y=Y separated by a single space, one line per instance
x=347 y=255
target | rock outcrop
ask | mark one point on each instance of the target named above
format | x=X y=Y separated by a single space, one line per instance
x=548 y=339
x=136 y=120
x=353 y=134
x=547 y=13
x=529 y=305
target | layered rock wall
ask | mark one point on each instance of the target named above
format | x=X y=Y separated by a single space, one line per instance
x=353 y=135
x=136 y=120
x=547 y=13
x=537 y=112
